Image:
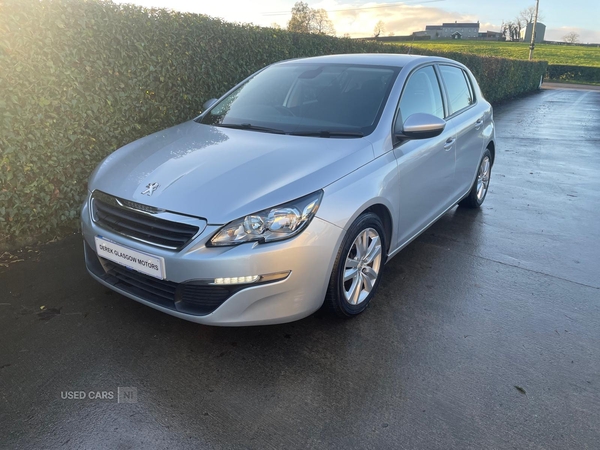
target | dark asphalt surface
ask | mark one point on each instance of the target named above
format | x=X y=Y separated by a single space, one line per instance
x=482 y=303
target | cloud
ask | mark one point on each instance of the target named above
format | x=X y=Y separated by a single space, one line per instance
x=357 y=21
x=242 y=11
x=400 y=19
x=585 y=35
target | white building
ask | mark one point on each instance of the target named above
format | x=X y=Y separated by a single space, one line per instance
x=454 y=30
x=540 y=32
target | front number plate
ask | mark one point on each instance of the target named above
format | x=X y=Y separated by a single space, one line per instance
x=128 y=257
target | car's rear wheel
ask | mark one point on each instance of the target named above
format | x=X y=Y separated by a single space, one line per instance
x=481 y=184
x=357 y=270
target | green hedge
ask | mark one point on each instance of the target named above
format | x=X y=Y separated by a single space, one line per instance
x=583 y=74
x=79 y=79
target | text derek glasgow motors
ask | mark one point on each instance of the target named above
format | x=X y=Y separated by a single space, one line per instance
x=122 y=395
x=126 y=257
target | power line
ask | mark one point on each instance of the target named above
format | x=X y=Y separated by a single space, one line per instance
x=388 y=5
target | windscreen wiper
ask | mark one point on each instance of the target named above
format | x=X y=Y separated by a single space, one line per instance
x=249 y=126
x=327 y=133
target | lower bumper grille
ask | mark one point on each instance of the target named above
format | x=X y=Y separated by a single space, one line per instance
x=188 y=298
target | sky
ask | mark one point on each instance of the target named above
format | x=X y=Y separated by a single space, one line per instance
x=358 y=18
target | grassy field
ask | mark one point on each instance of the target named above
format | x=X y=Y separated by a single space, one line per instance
x=554 y=54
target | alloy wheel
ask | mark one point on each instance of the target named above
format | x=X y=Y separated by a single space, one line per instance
x=362 y=266
x=483 y=178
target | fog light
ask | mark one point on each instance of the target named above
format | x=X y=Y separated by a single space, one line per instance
x=249 y=279
x=237 y=280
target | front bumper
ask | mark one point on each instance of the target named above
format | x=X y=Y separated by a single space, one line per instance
x=309 y=257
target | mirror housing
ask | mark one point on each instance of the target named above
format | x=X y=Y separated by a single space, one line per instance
x=207 y=104
x=420 y=126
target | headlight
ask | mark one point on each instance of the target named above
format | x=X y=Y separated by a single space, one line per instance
x=273 y=224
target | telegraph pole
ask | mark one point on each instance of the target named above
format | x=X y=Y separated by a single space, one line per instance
x=532 y=46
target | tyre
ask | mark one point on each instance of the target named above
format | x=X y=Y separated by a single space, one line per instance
x=357 y=269
x=479 y=190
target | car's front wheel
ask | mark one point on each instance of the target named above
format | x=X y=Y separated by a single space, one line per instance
x=358 y=266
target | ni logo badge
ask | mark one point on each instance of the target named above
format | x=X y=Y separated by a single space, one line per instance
x=150 y=188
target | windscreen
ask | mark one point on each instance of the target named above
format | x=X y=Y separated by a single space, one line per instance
x=308 y=99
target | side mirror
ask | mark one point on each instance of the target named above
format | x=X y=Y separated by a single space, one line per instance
x=207 y=104
x=420 y=126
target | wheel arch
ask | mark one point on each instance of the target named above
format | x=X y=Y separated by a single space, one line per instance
x=492 y=148
x=385 y=215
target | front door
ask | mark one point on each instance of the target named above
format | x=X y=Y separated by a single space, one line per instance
x=426 y=166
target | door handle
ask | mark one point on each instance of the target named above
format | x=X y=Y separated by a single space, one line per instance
x=449 y=143
x=478 y=123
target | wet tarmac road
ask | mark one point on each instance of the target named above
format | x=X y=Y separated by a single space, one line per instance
x=485 y=333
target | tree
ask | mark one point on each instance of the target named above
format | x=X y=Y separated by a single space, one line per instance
x=511 y=30
x=307 y=20
x=321 y=23
x=518 y=24
x=528 y=14
x=571 y=38
x=379 y=28
x=301 y=18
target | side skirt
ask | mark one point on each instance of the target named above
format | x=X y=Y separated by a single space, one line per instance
x=416 y=235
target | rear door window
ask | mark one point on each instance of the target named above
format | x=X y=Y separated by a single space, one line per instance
x=459 y=92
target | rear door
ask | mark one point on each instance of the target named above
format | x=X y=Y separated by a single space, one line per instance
x=467 y=119
x=426 y=166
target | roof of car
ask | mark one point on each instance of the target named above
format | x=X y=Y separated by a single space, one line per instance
x=376 y=59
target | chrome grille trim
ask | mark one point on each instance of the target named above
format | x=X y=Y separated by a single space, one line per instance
x=143 y=223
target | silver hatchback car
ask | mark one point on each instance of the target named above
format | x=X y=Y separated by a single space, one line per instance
x=291 y=190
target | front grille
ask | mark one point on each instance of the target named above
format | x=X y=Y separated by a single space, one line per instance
x=189 y=298
x=120 y=216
